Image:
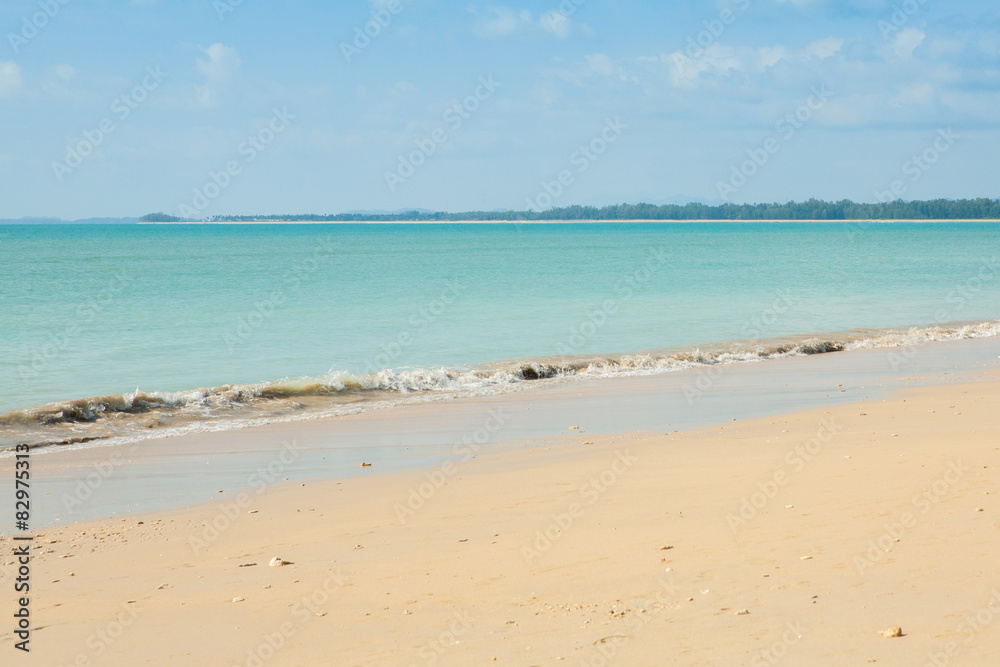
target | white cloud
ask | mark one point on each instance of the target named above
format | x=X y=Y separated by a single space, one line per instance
x=825 y=48
x=915 y=94
x=58 y=82
x=222 y=63
x=769 y=56
x=906 y=42
x=873 y=84
x=601 y=64
x=64 y=72
x=502 y=22
x=717 y=59
x=221 y=66
x=207 y=96
x=498 y=21
x=10 y=77
x=772 y=55
x=556 y=23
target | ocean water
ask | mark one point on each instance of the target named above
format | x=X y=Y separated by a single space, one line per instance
x=116 y=331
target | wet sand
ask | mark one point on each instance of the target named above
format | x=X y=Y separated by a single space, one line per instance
x=175 y=472
x=786 y=539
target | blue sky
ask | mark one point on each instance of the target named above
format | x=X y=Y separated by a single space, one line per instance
x=231 y=107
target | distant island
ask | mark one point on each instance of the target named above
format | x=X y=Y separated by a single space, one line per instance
x=813 y=209
x=160 y=217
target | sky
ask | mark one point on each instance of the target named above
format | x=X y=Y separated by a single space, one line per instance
x=217 y=107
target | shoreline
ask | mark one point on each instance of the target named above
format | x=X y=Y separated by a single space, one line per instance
x=139 y=415
x=808 y=532
x=162 y=473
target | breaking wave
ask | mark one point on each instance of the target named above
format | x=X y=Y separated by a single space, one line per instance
x=144 y=415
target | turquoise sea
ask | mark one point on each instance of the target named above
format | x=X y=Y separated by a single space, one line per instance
x=149 y=327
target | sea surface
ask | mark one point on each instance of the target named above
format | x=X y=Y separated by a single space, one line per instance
x=128 y=332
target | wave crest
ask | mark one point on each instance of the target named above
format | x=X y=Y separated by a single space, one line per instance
x=122 y=415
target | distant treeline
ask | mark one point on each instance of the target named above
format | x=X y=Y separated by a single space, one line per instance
x=814 y=209
x=159 y=217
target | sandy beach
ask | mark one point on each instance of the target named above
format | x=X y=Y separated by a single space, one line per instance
x=794 y=539
x=296 y=371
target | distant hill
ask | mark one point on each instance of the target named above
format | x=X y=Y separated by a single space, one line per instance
x=159 y=217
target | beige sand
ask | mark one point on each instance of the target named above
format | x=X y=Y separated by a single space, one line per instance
x=630 y=550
